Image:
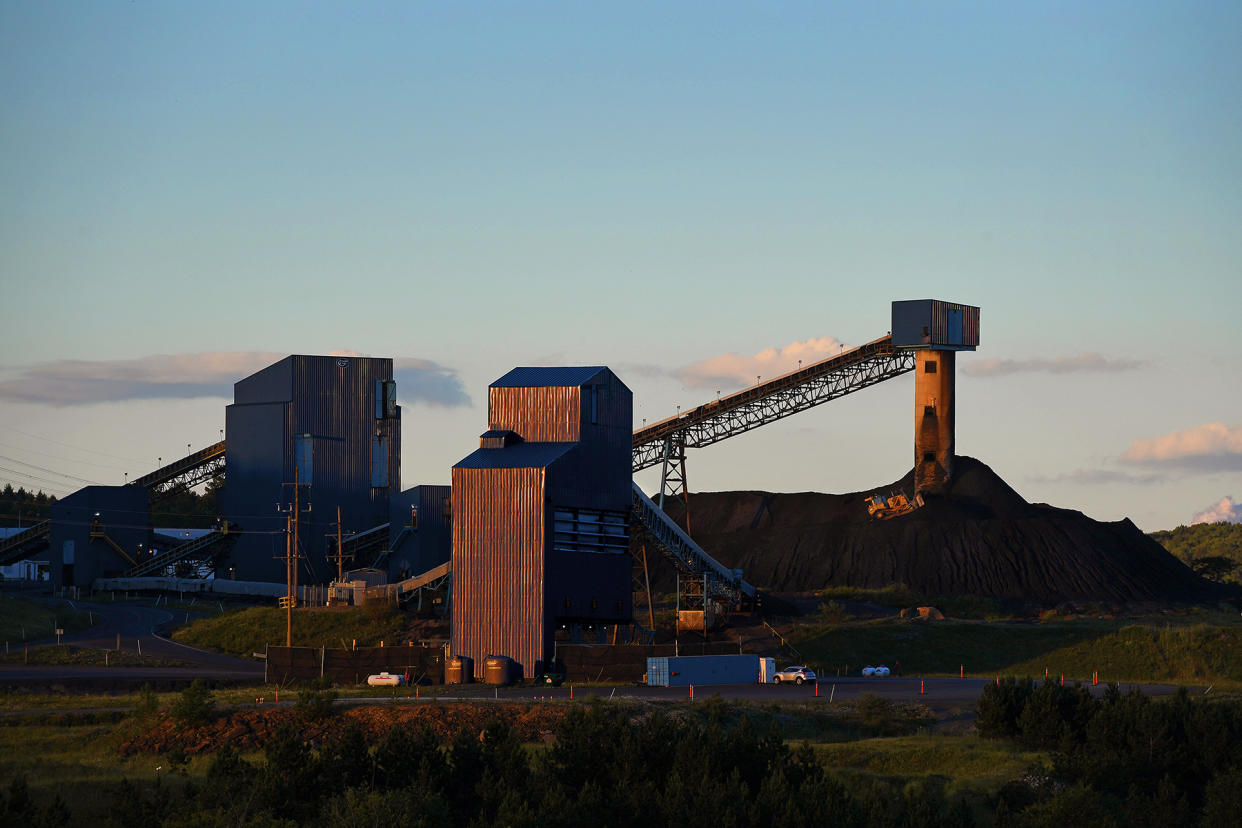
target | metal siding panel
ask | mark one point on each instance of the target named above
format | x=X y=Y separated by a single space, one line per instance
x=124 y=514
x=498 y=531
x=909 y=318
x=254 y=470
x=540 y=415
x=332 y=399
x=272 y=384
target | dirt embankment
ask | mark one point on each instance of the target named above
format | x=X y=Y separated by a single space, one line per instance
x=980 y=538
x=249 y=730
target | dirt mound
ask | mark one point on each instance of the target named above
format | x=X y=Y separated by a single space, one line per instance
x=980 y=538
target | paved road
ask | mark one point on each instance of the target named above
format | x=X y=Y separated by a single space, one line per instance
x=138 y=629
x=945 y=696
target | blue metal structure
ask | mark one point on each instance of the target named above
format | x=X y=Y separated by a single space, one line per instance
x=331 y=423
x=98 y=532
x=419 y=532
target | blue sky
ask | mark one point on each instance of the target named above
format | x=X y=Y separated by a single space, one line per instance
x=189 y=191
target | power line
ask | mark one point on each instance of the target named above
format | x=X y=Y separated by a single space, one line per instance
x=70 y=445
x=50 y=471
x=58 y=484
x=59 y=457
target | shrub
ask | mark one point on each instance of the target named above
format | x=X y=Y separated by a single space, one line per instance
x=316 y=700
x=148 y=702
x=1000 y=705
x=194 y=705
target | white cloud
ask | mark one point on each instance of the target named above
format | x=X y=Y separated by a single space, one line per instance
x=1079 y=363
x=1209 y=447
x=1225 y=511
x=729 y=371
x=189 y=376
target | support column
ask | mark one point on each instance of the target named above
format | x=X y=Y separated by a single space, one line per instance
x=934 y=384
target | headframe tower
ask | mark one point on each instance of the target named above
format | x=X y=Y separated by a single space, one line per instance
x=936 y=331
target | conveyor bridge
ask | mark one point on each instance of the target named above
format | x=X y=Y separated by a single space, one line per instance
x=162 y=483
x=664 y=443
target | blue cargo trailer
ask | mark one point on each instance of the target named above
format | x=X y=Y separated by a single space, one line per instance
x=680 y=671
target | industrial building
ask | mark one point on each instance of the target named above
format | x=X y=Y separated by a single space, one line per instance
x=541 y=515
x=332 y=426
x=99 y=532
x=534 y=530
x=419 y=532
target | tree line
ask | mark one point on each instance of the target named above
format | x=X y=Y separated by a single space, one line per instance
x=1214 y=550
x=184 y=509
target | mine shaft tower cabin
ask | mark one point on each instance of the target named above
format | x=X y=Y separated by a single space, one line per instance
x=936 y=330
x=541 y=515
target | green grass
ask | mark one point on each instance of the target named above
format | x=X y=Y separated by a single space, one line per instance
x=80 y=763
x=1177 y=653
x=937 y=647
x=66 y=654
x=249 y=631
x=1195 y=655
x=962 y=757
x=24 y=620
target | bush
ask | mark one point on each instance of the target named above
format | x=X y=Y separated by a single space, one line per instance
x=316 y=700
x=195 y=704
x=148 y=702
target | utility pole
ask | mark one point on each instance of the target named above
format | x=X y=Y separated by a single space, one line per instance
x=292 y=515
x=340 y=555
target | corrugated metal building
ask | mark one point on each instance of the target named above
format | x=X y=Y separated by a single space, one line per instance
x=540 y=514
x=98 y=532
x=419 y=535
x=332 y=421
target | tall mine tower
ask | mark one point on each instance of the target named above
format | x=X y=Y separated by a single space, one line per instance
x=937 y=331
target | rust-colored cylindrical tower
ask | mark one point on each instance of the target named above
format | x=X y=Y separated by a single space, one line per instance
x=936 y=331
x=933 y=420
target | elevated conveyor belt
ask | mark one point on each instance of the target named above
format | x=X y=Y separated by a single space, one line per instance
x=185 y=473
x=686 y=555
x=666 y=441
x=769 y=401
x=162 y=483
x=26 y=543
x=189 y=549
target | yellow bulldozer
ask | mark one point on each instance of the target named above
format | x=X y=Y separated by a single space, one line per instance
x=890 y=506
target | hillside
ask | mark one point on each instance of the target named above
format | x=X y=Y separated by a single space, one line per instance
x=981 y=538
x=1204 y=544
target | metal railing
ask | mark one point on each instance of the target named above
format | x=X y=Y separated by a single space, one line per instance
x=181 y=552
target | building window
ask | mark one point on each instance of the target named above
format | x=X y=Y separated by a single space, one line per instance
x=385 y=400
x=929 y=411
x=929 y=367
x=929 y=457
x=591 y=530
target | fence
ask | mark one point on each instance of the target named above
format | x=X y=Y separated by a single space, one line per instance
x=422 y=661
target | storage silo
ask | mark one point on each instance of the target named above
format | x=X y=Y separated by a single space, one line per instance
x=540 y=514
